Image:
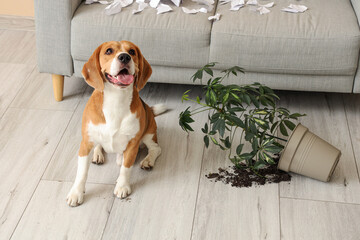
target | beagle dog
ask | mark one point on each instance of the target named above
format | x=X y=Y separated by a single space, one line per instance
x=115 y=117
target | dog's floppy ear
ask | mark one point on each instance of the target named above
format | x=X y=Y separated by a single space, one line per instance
x=92 y=71
x=144 y=72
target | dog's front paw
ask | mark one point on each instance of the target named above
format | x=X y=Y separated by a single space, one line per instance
x=122 y=191
x=75 y=197
x=147 y=164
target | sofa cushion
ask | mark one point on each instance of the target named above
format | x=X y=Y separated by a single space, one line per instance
x=171 y=39
x=323 y=40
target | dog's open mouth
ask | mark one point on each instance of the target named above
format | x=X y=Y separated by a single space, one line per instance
x=124 y=78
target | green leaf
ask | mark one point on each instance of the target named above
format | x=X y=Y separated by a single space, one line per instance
x=214 y=140
x=246 y=156
x=213 y=99
x=209 y=71
x=261 y=122
x=252 y=127
x=254 y=145
x=205 y=129
x=227 y=142
x=198 y=99
x=296 y=115
x=239 y=149
x=289 y=124
x=225 y=98
x=206 y=141
x=283 y=129
x=274 y=126
x=273 y=149
x=268 y=158
x=237 y=121
x=259 y=165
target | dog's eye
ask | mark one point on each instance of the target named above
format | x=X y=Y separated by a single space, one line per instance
x=109 y=51
x=132 y=52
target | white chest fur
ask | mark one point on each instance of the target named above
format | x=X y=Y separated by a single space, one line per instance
x=121 y=125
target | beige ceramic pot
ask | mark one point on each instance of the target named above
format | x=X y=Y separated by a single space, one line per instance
x=307 y=154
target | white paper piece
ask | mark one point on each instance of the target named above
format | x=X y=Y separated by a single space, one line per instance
x=295 y=8
x=154 y=3
x=163 y=8
x=252 y=2
x=222 y=2
x=208 y=4
x=189 y=11
x=237 y=4
x=113 y=8
x=203 y=10
x=269 y=5
x=176 y=2
x=263 y=10
x=141 y=7
x=204 y=2
x=215 y=18
x=97 y=1
x=124 y=3
x=140 y=1
x=194 y=11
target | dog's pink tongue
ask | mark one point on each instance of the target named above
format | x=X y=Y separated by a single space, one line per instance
x=125 y=79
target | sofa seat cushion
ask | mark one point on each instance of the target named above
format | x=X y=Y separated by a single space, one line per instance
x=171 y=39
x=324 y=40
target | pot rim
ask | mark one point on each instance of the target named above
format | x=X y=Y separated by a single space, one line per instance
x=288 y=154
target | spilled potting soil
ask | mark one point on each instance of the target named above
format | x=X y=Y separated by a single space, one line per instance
x=239 y=177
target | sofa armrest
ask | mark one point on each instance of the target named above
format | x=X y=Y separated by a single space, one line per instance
x=52 y=24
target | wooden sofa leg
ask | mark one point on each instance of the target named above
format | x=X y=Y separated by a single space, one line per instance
x=58 y=85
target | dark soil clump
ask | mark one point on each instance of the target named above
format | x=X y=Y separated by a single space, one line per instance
x=243 y=177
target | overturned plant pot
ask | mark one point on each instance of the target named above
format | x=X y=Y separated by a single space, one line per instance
x=309 y=155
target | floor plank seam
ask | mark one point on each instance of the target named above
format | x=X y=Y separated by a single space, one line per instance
x=17 y=92
x=57 y=145
x=69 y=181
x=40 y=179
x=107 y=220
x=279 y=211
x=350 y=135
x=197 y=193
x=323 y=201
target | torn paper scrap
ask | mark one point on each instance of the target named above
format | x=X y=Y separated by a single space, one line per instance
x=194 y=11
x=295 y=8
x=95 y=1
x=222 y=2
x=176 y=2
x=268 y=5
x=215 y=18
x=163 y=8
x=124 y=3
x=263 y=10
x=203 y=10
x=252 y=2
x=154 y=3
x=236 y=5
x=141 y=7
x=208 y=4
x=113 y=8
x=204 y=2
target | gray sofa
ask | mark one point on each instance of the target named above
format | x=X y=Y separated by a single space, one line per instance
x=313 y=51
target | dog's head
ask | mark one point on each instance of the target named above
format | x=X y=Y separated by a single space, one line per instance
x=119 y=63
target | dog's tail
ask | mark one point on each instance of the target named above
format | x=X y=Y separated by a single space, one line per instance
x=159 y=109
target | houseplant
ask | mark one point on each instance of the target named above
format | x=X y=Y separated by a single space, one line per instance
x=250 y=113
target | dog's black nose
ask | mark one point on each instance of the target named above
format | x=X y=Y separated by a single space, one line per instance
x=124 y=58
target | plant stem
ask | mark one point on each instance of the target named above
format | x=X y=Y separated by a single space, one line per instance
x=275 y=137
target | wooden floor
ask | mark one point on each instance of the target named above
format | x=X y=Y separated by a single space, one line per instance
x=39 y=140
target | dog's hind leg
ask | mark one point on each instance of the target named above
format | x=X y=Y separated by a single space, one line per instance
x=154 y=150
x=98 y=157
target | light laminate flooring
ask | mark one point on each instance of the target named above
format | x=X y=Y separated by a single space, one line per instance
x=39 y=140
